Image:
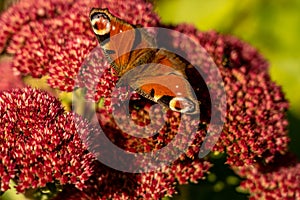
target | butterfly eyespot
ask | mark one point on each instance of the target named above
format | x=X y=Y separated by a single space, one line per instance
x=182 y=104
x=100 y=23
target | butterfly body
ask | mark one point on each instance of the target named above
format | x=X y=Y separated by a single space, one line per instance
x=155 y=73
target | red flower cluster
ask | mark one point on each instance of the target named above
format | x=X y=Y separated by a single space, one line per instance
x=39 y=142
x=256 y=124
x=107 y=183
x=54 y=37
x=278 y=180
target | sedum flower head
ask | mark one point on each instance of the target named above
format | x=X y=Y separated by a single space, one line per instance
x=39 y=142
x=256 y=125
x=107 y=183
x=277 y=181
x=53 y=38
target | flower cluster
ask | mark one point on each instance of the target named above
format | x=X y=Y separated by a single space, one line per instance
x=46 y=40
x=256 y=124
x=39 y=142
x=277 y=181
x=147 y=185
x=107 y=183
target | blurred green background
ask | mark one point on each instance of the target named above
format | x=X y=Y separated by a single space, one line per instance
x=273 y=27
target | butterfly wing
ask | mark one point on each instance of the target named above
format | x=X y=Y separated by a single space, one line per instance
x=126 y=50
x=164 y=81
x=156 y=74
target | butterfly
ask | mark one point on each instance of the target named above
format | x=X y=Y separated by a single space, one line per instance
x=155 y=73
